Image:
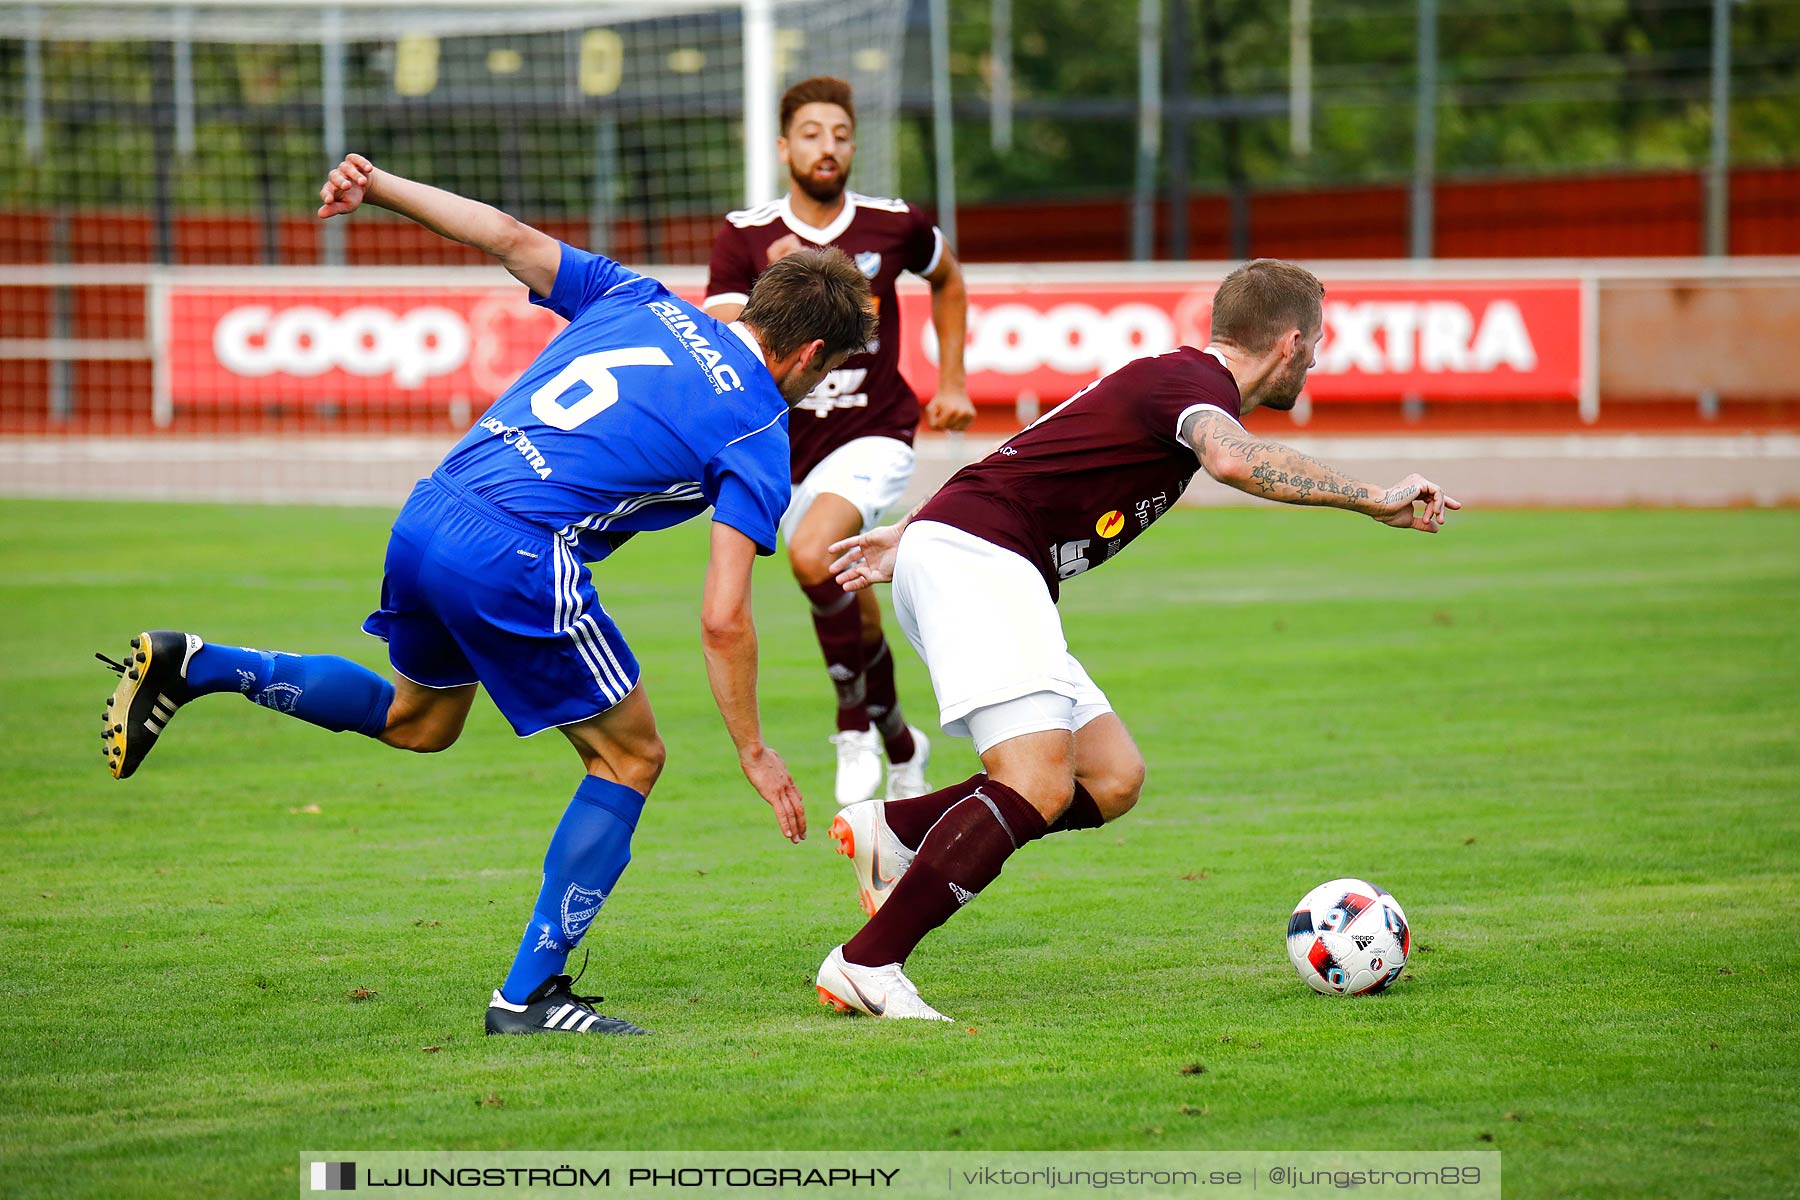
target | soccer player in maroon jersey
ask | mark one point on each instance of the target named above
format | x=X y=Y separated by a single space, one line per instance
x=976 y=570
x=852 y=437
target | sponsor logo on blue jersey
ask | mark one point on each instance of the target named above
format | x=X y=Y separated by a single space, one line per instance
x=520 y=441
x=684 y=327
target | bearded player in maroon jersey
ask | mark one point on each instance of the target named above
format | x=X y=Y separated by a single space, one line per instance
x=976 y=570
x=852 y=437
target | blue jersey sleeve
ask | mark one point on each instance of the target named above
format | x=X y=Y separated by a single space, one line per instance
x=748 y=485
x=581 y=279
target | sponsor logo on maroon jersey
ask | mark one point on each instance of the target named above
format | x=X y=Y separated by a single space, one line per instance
x=840 y=389
x=1071 y=557
x=1148 y=510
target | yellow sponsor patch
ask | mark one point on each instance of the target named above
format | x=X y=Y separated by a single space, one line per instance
x=1110 y=524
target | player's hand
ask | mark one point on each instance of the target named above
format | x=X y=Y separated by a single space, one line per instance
x=782 y=247
x=866 y=559
x=1415 y=503
x=950 y=409
x=769 y=776
x=346 y=186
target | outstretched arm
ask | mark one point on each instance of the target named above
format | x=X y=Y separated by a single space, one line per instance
x=728 y=635
x=531 y=255
x=1260 y=467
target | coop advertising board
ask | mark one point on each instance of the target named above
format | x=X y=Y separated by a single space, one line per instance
x=369 y=342
x=1445 y=340
x=353 y=342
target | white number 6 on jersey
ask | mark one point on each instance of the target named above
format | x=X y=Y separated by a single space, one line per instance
x=595 y=370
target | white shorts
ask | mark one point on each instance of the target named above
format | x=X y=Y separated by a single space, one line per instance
x=983 y=621
x=869 y=472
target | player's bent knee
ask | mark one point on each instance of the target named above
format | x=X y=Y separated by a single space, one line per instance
x=638 y=767
x=1052 y=799
x=428 y=723
x=647 y=764
x=1039 y=763
x=1117 y=793
x=1044 y=786
x=811 y=565
x=422 y=737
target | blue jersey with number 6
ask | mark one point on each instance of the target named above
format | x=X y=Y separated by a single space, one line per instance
x=643 y=412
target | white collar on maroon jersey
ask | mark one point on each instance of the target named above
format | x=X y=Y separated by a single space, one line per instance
x=1218 y=354
x=749 y=339
x=813 y=234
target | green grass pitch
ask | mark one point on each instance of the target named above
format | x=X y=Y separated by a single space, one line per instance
x=1568 y=742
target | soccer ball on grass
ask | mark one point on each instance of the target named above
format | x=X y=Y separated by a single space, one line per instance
x=1348 y=938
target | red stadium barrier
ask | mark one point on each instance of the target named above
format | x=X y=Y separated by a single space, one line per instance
x=114 y=349
x=439 y=345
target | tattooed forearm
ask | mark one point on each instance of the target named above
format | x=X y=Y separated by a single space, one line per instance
x=1269 y=468
x=1274 y=482
x=1283 y=473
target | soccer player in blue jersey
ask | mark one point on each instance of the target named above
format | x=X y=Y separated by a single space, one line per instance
x=641 y=413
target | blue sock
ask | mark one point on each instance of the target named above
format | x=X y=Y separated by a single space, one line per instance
x=322 y=689
x=587 y=855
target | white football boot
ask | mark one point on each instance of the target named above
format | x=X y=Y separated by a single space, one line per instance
x=875 y=991
x=859 y=765
x=880 y=859
x=907 y=779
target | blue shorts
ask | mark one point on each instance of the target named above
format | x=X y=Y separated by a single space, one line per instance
x=473 y=594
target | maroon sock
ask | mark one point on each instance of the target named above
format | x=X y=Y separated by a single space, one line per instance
x=884 y=702
x=962 y=854
x=912 y=819
x=839 y=629
x=1082 y=813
